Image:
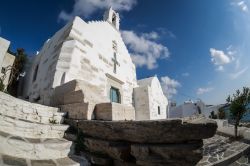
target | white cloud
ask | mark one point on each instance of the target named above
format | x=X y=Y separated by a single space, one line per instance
x=169 y=86
x=238 y=74
x=166 y=32
x=201 y=91
x=237 y=64
x=220 y=68
x=243 y=6
x=144 y=50
x=87 y=7
x=152 y=35
x=219 y=57
x=186 y=74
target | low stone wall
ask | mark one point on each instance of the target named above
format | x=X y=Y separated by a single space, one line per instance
x=161 y=142
x=225 y=128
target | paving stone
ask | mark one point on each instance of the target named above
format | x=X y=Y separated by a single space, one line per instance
x=243 y=160
x=219 y=148
x=212 y=159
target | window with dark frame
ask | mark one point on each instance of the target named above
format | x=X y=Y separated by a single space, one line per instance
x=115 y=95
x=159 y=110
x=35 y=73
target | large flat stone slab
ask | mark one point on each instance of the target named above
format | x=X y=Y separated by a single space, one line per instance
x=114 y=111
x=153 y=131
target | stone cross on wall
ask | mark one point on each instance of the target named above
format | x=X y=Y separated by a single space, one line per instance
x=115 y=62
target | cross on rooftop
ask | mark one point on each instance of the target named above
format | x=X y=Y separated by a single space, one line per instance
x=115 y=62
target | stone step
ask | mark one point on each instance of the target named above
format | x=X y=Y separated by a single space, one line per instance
x=29 y=129
x=14 y=102
x=21 y=109
x=6 y=160
x=35 y=149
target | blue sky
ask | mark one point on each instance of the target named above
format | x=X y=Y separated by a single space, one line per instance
x=197 y=48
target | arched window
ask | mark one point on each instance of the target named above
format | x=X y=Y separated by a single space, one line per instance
x=35 y=73
x=159 y=110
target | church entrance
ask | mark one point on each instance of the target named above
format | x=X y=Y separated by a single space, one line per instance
x=115 y=95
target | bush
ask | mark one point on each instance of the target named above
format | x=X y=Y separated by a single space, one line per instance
x=221 y=113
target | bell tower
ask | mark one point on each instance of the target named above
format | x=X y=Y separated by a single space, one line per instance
x=112 y=17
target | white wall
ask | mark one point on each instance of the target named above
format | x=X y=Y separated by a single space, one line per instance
x=4 y=45
x=148 y=96
x=83 y=51
x=8 y=61
x=141 y=100
x=157 y=98
x=186 y=109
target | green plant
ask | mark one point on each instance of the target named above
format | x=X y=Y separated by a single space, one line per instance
x=53 y=121
x=221 y=113
x=238 y=106
x=16 y=70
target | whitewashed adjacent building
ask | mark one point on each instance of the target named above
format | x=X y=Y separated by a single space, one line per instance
x=187 y=109
x=6 y=61
x=150 y=102
x=95 y=53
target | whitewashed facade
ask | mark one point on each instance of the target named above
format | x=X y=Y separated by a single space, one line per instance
x=6 y=61
x=188 y=108
x=150 y=102
x=90 y=51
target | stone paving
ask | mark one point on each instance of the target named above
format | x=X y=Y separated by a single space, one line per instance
x=243 y=161
x=220 y=149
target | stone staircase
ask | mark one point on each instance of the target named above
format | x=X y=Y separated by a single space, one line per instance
x=32 y=135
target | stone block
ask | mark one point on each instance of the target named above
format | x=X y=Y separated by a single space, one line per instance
x=77 y=110
x=116 y=150
x=73 y=97
x=114 y=111
x=189 y=153
x=97 y=159
x=90 y=93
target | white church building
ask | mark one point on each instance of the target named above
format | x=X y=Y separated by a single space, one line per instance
x=94 y=52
